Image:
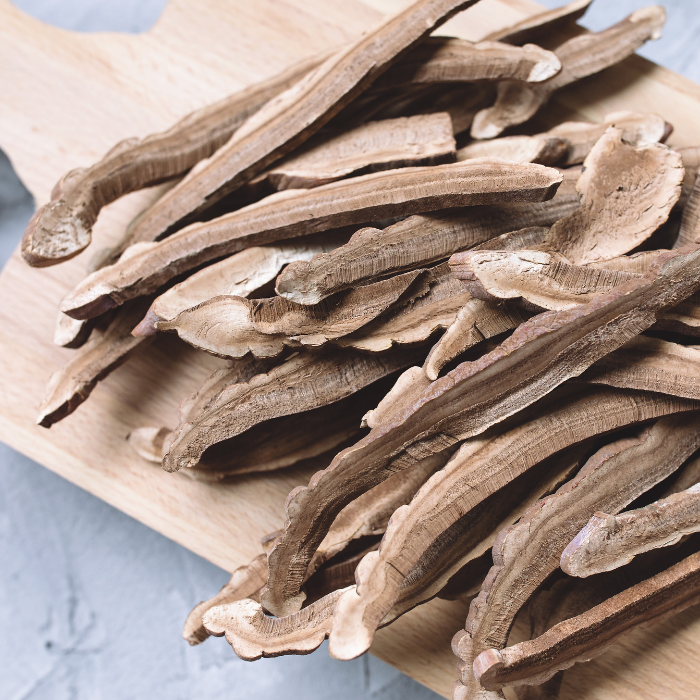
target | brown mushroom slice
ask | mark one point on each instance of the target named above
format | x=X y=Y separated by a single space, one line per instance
x=295 y=115
x=294 y=213
x=627 y=192
x=441 y=59
x=542 y=148
x=546 y=350
x=238 y=275
x=691 y=163
x=245 y=582
x=528 y=552
x=689 y=233
x=62 y=228
x=302 y=383
x=638 y=128
x=147 y=442
x=230 y=326
x=580 y=57
x=610 y=541
x=415 y=241
x=71 y=333
x=71 y=385
x=424 y=139
x=461 y=491
x=688 y=475
x=542 y=24
x=588 y=635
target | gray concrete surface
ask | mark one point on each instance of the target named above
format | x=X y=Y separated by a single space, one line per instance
x=91 y=601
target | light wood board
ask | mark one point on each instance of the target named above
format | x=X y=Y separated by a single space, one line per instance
x=66 y=99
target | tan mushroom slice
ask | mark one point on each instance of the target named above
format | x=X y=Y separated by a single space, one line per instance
x=332 y=154
x=245 y=582
x=63 y=228
x=688 y=475
x=441 y=59
x=71 y=385
x=638 y=128
x=588 y=635
x=542 y=24
x=71 y=333
x=295 y=115
x=415 y=241
x=543 y=148
x=528 y=552
x=294 y=213
x=460 y=495
x=689 y=233
x=238 y=275
x=610 y=541
x=147 y=442
x=627 y=192
x=580 y=57
x=229 y=326
x=302 y=383
x=691 y=163
x=546 y=350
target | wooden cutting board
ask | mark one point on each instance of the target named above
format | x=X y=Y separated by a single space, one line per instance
x=66 y=99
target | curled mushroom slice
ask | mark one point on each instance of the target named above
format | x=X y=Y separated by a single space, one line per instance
x=230 y=326
x=148 y=442
x=71 y=333
x=296 y=114
x=544 y=149
x=303 y=383
x=546 y=350
x=106 y=350
x=295 y=213
x=387 y=144
x=457 y=498
x=580 y=57
x=237 y=275
x=528 y=552
x=415 y=241
x=610 y=541
x=638 y=128
x=63 y=228
x=588 y=635
x=542 y=24
x=444 y=59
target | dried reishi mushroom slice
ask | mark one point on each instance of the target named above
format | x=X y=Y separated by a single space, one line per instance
x=147 y=442
x=302 y=383
x=332 y=154
x=547 y=350
x=528 y=552
x=580 y=57
x=298 y=212
x=542 y=148
x=295 y=115
x=689 y=233
x=238 y=275
x=71 y=385
x=416 y=241
x=638 y=128
x=245 y=582
x=71 y=333
x=441 y=59
x=459 y=494
x=63 y=228
x=610 y=541
x=230 y=326
x=588 y=635
x=542 y=24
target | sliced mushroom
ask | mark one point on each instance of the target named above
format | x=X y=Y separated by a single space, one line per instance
x=239 y=275
x=689 y=233
x=527 y=553
x=298 y=212
x=71 y=333
x=148 y=442
x=229 y=326
x=63 y=228
x=295 y=115
x=610 y=541
x=580 y=57
x=71 y=385
x=459 y=495
x=544 y=149
x=542 y=24
x=588 y=635
x=546 y=350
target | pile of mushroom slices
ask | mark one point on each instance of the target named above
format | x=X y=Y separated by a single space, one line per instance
x=487 y=350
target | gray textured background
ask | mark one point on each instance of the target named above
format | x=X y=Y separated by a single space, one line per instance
x=92 y=602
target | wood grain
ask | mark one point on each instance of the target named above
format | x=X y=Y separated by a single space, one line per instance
x=67 y=99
